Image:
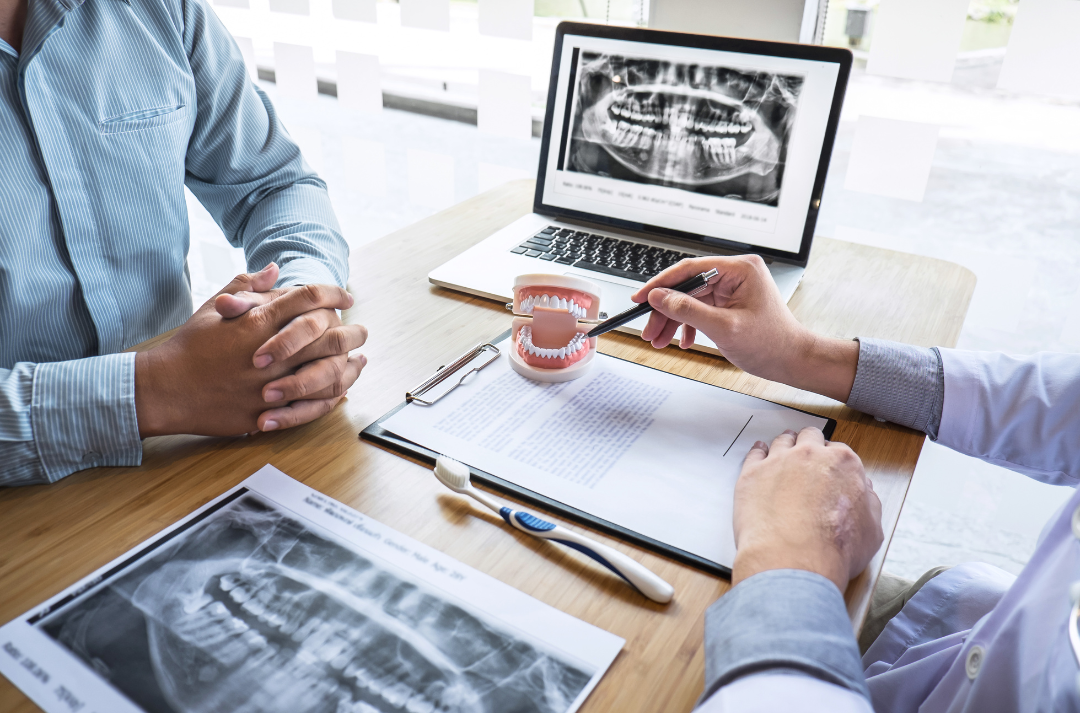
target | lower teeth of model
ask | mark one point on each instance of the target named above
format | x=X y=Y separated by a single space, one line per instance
x=525 y=339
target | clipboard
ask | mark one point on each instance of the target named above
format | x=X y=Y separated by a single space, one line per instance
x=378 y=435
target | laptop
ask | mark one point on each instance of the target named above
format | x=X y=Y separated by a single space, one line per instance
x=658 y=146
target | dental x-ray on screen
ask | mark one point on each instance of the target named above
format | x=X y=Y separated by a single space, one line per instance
x=710 y=129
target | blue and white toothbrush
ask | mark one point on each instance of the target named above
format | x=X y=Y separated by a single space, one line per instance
x=456 y=476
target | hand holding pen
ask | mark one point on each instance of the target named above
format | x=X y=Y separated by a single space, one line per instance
x=693 y=286
x=744 y=315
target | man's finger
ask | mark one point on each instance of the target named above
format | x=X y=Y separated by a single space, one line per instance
x=296 y=413
x=758 y=452
x=784 y=441
x=304 y=299
x=234 y=305
x=689 y=334
x=320 y=379
x=260 y=281
x=666 y=334
x=310 y=379
x=681 y=307
x=655 y=325
x=294 y=336
x=336 y=340
x=346 y=378
x=811 y=436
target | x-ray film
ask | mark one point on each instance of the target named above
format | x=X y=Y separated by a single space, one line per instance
x=277 y=598
x=714 y=130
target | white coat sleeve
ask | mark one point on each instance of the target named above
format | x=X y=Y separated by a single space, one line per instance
x=1022 y=413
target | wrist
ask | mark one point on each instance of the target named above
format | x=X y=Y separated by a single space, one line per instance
x=825 y=365
x=150 y=400
x=753 y=560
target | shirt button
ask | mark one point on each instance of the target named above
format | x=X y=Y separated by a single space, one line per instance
x=1076 y=523
x=974 y=661
x=90 y=456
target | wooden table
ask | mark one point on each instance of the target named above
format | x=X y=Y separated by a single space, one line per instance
x=51 y=536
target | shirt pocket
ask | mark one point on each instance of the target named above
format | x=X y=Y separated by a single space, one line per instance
x=143 y=119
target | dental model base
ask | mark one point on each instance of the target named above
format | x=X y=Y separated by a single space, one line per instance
x=552 y=317
x=455 y=476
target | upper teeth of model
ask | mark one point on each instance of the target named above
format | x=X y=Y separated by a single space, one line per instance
x=552 y=302
x=525 y=340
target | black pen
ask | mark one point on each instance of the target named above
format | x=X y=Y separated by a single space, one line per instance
x=694 y=285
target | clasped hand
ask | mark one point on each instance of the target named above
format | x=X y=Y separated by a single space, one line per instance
x=252 y=358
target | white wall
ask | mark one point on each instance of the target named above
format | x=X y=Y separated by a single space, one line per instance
x=780 y=20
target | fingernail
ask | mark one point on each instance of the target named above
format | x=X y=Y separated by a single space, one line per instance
x=363 y=361
x=263 y=360
x=273 y=395
x=270 y=426
x=760 y=444
x=352 y=300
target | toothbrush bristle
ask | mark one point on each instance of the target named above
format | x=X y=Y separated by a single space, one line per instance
x=451 y=473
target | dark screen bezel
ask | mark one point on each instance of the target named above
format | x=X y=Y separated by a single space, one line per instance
x=839 y=56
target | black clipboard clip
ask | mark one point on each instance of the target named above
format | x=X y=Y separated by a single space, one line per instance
x=445 y=372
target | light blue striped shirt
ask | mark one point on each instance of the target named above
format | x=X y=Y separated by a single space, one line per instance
x=110 y=109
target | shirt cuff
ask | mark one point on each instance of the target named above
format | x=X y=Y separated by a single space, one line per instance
x=784 y=618
x=305 y=271
x=899 y=383
x=83 y=414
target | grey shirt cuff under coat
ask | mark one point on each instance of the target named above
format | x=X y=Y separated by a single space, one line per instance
x=899 y=383
x=783 y=618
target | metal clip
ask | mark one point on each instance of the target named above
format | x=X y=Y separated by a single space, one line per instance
x=445 y=372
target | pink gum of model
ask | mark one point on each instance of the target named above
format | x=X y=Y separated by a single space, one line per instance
x=548 y=341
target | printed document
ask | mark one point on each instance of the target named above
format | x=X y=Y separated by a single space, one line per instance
x=275 y=598
x=655 y=453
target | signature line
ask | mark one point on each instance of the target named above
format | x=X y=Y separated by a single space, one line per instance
x=739 y=434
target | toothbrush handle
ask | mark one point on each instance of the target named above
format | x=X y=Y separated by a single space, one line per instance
x=640 y=577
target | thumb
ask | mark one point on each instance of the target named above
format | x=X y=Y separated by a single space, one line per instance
x=243 y=292
x=260 y=281
x=682 y=308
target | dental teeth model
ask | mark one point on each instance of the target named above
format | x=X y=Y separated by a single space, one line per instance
x=549 y=342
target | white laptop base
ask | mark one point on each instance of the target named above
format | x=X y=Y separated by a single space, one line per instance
x=488 y=270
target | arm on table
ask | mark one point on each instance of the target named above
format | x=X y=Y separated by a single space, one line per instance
x=806 y=518
x=246 y=170
x=1012 y=411
x=249 y=174
x=60 y=417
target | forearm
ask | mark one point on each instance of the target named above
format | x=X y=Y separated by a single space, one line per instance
x=296 y=228
x=894 y=382
x=246 y=170
x=60 y=417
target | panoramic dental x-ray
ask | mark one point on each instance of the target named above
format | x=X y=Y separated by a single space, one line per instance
x=714 y=130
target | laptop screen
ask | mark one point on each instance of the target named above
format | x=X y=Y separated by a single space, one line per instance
x=718 y=146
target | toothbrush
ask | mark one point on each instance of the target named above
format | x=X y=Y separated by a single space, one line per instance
x=456 y=476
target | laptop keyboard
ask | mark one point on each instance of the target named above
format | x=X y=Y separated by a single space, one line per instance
x=599 y=253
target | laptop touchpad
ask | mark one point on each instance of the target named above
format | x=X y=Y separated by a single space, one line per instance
x=614 y=298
